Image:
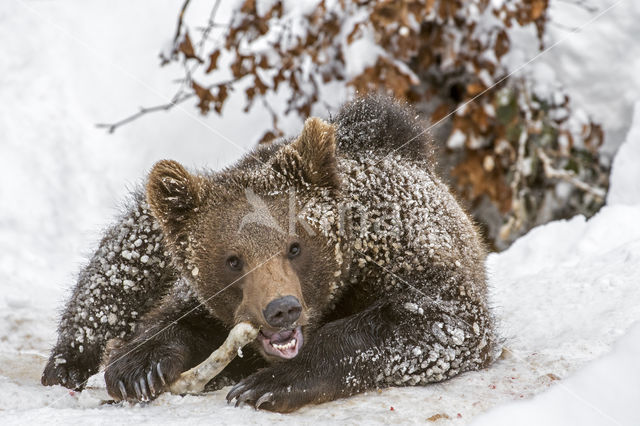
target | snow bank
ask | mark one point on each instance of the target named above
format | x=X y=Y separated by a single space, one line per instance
x=573 y=291
x=604 y=392
x=565 y=292
x=625 y=176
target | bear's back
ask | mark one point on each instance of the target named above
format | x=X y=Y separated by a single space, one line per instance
x=367 y=127
x=406 y=214
x=378 y=124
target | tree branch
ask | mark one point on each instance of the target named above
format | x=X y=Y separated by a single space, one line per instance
x=180 y=96
x=111 y=127
x=180 y=20
x=177 y=99
x=210 y=25
x=566 y=175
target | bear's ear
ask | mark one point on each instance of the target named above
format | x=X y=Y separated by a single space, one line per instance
x=173 y=194
x=316 y=146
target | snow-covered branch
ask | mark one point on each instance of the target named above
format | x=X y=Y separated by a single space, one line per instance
x=568 y=176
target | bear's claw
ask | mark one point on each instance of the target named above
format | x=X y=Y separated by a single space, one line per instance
x=249 y=397
x=150 y=383
x=143 y=388
x=266 y=398
x=123 y=391
x=273 y=389
x=235 y=391
x=160 y=375
x=245 y=398
x=136 y=387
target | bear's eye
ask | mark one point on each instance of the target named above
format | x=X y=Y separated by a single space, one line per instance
x=234 y=262
x=294 y=250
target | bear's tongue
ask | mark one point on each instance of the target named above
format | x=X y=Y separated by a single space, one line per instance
x=283 y=344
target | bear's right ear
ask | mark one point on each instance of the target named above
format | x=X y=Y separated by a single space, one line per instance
x=173 y=194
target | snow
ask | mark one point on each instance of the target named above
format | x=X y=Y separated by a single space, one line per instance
x=566 y=293
x=601 y=393
x=578 y=280
x=625 y=176
x=457 y=139
x=596 y=65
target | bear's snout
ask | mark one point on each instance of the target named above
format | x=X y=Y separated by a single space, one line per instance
x=282 y=312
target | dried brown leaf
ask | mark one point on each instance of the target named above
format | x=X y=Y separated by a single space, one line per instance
x=213 y=60
x=204 y=95
x=186 y=47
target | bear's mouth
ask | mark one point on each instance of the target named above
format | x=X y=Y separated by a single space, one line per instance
x=283 y=344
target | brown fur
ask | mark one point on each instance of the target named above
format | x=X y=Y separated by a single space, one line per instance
x=390 y=276
x=175 y=195
x=317 y=148
x=272 y=280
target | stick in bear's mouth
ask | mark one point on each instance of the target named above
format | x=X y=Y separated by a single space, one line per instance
x=194 y=380
x=283 y=344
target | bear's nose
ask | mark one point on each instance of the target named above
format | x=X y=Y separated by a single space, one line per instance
x=282 y=312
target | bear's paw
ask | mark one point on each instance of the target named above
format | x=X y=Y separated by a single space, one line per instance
x=63 y=368
x=142 y=372
x=278 y=388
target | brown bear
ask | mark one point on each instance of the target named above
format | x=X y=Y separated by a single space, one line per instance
x=355 y=261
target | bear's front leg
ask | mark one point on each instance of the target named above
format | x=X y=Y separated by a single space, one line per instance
x=126 y=276
x=403 y=341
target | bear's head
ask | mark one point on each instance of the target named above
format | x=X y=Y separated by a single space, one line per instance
x=256 y=240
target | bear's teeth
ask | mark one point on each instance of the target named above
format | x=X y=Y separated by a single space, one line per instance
x=289 y=345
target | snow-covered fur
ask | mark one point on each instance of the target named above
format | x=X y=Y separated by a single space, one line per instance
x=125 y=278
x=394 y=285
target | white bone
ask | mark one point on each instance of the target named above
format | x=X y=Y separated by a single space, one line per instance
x=194 y=380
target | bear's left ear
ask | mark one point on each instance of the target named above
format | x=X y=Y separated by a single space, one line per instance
x=316 y=147
x=174 y=196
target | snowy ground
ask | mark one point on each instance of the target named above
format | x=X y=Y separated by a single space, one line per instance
x=567 y=292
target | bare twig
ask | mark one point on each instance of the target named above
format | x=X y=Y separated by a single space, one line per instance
x=173 y=54
x=188 y=72
x=177 y=99
x=522 y=142
x=516 y=218
x=567 y=175
x=180 y=96
x=180 y=20
x=274 y=116
x=111 y=127
x=210 y=25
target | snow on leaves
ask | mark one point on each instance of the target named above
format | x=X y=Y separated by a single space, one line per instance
x=436 y=54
